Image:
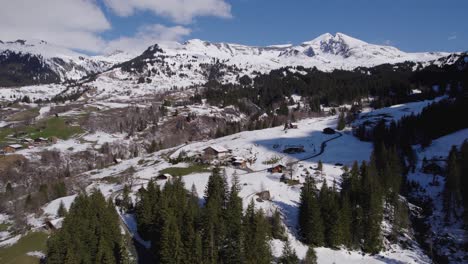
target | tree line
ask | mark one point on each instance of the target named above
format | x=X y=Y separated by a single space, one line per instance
x=351 y=214
x=455 y=193
x=184 y=229
x=90 y=233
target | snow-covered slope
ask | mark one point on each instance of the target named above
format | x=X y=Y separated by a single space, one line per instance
x=37 y=61
x=195 y=62
x=168 y=65
x=447 y=238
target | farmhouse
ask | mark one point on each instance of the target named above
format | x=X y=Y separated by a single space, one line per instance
x=12 y=148
x=215 y=151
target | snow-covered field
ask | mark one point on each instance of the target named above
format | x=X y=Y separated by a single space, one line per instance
x=394 y=112
x=439 y=150
x=262 y=145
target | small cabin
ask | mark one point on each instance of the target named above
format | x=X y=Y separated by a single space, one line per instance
x=27 y=141
x=290 y=125
x=12 y=148
x=239 y=162
x=165 y=176
x=54 y=224
x=215 y=151
x=277 y=169
x=329 y=131
x=264 y=196
x=41 y=140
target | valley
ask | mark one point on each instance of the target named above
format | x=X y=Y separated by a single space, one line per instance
x=362 y=132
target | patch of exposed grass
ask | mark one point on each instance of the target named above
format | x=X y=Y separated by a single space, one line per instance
x=177 y=171
x=17 y=253
x=24 y=115
x=53 y=127
x=4 y=227
x=4 y=132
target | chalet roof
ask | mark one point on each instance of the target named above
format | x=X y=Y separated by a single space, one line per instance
x=56 y=223
x=238 y=159
x=218 y=149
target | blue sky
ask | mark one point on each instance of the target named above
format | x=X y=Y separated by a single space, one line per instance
x=99 y=26
x=411 y=25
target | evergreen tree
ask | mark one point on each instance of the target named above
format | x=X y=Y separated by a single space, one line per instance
x=256 y=246
x=90 y=233
x=171 y=248
x=233 y=247
x=126 y=203
x=341 y=121
x=372 y=209
x=310 y=221
x=452 y=195
x=345 y=220
x=330 y=215
x=289 y=255
x=62 y=211
x=214 y=227
x=277 y=228
x=311 y=257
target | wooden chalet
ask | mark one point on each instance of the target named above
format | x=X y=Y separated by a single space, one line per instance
x=277 y=169
x=215 y=151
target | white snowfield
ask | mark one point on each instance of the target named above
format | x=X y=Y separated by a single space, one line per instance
x=51 y=208
x=187 y=64
x=70 y=65
x=394 y=112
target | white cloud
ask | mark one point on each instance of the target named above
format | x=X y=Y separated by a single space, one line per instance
x=79 y=24
x=70 y=23
x=452 y=37
x=181 y=11
x=388 y=42
x=147 y=36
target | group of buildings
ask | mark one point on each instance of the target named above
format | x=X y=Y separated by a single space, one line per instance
x=27 y=143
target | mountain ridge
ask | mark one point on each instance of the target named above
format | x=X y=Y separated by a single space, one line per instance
x=326 y=52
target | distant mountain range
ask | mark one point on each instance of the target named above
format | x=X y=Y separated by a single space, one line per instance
x=193 y=62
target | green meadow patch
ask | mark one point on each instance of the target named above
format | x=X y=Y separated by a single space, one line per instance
x=177 y=171
x=17 y=253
